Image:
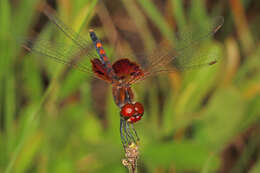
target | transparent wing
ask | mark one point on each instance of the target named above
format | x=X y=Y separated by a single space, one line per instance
x=205 y=56
x=186 y=54
x=76 y=55
x=66 y=54
x=69 y=32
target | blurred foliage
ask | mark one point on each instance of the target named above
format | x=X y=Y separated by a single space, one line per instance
x=204 y=120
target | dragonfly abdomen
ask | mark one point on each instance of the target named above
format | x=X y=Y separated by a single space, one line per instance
x=98 y=45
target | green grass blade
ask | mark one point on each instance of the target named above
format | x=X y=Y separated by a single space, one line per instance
x=157 y=18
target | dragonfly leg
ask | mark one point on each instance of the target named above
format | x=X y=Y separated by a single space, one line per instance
x=129 y=132
x=123 y=140
x=126 y=133
x=137 y=137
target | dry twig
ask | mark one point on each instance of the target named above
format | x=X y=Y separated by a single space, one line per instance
x=131 y=157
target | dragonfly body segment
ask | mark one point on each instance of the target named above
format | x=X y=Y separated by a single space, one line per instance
x=98 y=45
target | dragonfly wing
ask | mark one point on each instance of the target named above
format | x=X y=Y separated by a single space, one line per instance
x=188 y=51
x=69 y=32
x=204 y=58
x=185 y=45
x=72 y=56
x=77 y=55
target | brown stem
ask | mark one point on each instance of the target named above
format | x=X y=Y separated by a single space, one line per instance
x=131 y=157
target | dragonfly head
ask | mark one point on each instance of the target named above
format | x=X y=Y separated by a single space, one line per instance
x=132 y=112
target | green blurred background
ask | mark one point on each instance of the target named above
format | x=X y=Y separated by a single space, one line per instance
x=58 y=120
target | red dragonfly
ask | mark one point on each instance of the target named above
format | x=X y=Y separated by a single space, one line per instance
x=124 y=72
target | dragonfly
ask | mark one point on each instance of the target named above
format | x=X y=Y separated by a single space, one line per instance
x=124 y=72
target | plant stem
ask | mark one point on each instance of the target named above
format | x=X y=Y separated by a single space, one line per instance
x=131 y=157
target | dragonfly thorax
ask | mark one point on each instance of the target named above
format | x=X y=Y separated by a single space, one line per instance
x=122 y=72
x=127 y=71
x=122 y=94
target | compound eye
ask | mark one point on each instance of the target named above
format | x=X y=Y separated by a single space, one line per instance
x=132 y=120
x=138 y=107
x=138 y=118
x=127 y=110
